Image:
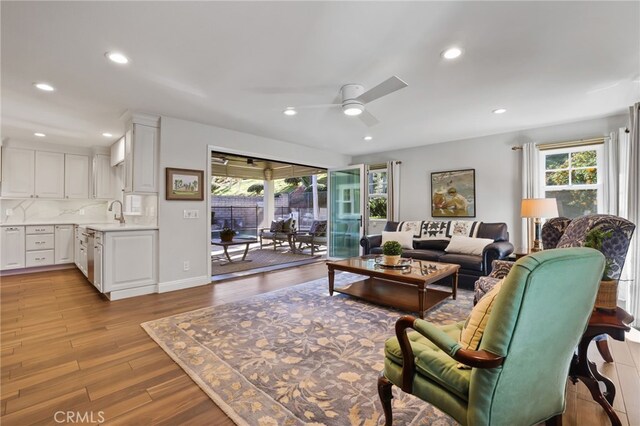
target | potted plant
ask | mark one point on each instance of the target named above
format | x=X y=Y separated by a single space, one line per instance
x=607 y=298
x=227 y=234
x=391 y=251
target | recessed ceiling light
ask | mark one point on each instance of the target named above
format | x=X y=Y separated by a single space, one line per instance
x=46 y=87
x=40 y=135
x=499 y=111
x=117 y=57
x=107 y=135
x=368 y=138
x=290 y=111
x=452 y=53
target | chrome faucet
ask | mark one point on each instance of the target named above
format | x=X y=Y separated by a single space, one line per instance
x=115 y=216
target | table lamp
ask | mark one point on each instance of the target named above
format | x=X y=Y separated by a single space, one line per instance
x=538 y=208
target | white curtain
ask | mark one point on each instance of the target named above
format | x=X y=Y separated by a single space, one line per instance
x=393 y=191
x=530 y=185
x=630 y=209
x=611 y=174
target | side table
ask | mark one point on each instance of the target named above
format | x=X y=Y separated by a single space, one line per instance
x=615 y=324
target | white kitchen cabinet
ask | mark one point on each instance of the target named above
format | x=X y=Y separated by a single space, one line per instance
x=49 y=174
x=76 y=176
x=102 y=177
x=39 y=244
x=12 y=247
x=129 y=260
x=128 y=160
x=117 y=152
x=64 y=244
x=18 y=173
x=141 y=159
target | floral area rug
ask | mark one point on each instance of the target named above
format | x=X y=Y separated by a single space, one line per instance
x=297 y=356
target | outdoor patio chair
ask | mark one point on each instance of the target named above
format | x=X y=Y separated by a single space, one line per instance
x=316 y=237
x=281 y=231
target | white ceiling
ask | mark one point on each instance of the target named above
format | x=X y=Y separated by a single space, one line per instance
x=237 y=65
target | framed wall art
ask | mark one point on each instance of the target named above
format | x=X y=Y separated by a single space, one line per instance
x=184 y=184
x=453 y=193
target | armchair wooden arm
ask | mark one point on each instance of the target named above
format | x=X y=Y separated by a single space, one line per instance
x=477 y=359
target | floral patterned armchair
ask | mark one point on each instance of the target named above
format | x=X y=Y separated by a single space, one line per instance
x=561 y=232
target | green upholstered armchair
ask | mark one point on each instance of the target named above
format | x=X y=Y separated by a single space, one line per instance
x=519 y=372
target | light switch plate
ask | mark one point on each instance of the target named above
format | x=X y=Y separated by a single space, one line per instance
x=190 y=214
x=9 y=212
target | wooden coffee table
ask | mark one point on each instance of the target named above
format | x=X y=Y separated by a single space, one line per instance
x=405 y=289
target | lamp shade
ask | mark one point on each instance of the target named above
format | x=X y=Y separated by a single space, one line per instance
x=539 y=207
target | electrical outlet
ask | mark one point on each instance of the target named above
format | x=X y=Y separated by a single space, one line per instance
x=186 y=265
x=9 y=212
x=81 y=212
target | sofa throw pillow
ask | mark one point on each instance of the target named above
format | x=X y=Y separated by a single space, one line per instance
x=405 y=238
x=415 y=226
x=474 y=326
x=465 y=228
x=318 y=228
x=434 y=230
x=276 y=226
x=467 y=245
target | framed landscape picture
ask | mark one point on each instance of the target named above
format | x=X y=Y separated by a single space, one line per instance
x=185 y=184
x=453 y=193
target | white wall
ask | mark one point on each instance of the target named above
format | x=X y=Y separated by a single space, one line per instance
x=184 y=144
x=498 y=180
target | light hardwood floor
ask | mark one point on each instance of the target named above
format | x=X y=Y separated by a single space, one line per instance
x=64 y=348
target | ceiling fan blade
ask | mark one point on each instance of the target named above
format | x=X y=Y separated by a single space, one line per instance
x=388 y=86
x=369 y=119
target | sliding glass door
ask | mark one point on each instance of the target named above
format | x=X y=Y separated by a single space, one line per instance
x=346 y=210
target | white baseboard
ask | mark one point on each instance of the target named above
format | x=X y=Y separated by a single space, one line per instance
x=131 y=292
x=185 y=283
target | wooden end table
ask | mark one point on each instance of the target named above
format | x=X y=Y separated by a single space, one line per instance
x=226 y=244
x=615 y=324
x=396 y=287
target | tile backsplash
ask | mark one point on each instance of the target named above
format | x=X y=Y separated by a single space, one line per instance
x=17 y=211
x=20 y=211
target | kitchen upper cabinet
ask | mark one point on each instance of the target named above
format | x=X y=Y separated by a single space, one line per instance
x=117 y=152
x=76 y=176
x=102 y=177
x=12 y=244
x=49 y=174
x=141 y=153
x=64 y=244
x=18 y=172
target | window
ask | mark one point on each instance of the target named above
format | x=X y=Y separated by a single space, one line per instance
x=573 y=177
x=377 y=181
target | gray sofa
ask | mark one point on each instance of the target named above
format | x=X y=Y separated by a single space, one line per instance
x=471 y=266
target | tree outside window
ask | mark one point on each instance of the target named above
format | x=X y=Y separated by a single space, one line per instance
x=572 y=177
x=377 y=181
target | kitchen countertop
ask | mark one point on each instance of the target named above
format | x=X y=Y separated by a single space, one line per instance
x=57 y=222
x=97 y=226
x=117 y=227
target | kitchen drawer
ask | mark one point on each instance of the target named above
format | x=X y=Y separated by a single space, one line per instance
x=39 y=258
x=39 y=242
x=40 y=229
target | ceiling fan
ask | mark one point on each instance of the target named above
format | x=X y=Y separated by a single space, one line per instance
x=353 y=98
